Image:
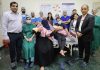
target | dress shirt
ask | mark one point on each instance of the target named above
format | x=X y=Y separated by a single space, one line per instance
x=81 y=22
x=11 y=22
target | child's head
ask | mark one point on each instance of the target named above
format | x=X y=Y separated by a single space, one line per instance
x=58 y=19
x=28 y=20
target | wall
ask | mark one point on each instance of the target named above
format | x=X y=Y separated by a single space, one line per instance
x=0 y=23
x=34 y=5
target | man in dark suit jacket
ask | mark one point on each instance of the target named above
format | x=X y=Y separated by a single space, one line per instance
x=84 y=28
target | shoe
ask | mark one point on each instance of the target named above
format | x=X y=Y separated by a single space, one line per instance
x=93 y=54
x=20 y=61
x=31 y=64
x=26 y=66
x=84 y=65
x=13 y=65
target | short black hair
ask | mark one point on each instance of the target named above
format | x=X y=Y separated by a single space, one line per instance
x=13 y=3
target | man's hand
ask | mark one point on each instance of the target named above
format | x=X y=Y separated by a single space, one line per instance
x=79 y=34
x=66 y=22
x=6 y=42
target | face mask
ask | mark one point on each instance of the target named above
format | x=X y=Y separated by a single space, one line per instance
x=28 y=21
x=23 y=12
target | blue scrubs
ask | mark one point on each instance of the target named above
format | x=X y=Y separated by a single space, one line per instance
x=63 y=18
x=33 y=20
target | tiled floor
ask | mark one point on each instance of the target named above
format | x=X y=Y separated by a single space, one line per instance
x=93 y=65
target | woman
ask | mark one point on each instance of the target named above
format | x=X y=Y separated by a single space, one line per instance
x=73 y=22
x=73 y=32
x=28 y=43
x=44 y=52
x=96 y=41
x=50 y=18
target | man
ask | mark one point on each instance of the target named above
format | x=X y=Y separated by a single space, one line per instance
x=65 y=19
x=23 y=10
x=74 y=11
x=84 y=28
x=33 y=18
x=12 y=35
x=40 y=18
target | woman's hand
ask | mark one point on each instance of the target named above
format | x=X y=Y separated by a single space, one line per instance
x=30 y=39
x=26 y=38
x=60 y=28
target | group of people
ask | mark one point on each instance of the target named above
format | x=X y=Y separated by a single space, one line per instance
x=33 y=39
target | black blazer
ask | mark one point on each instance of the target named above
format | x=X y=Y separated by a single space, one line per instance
x=87 y=27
